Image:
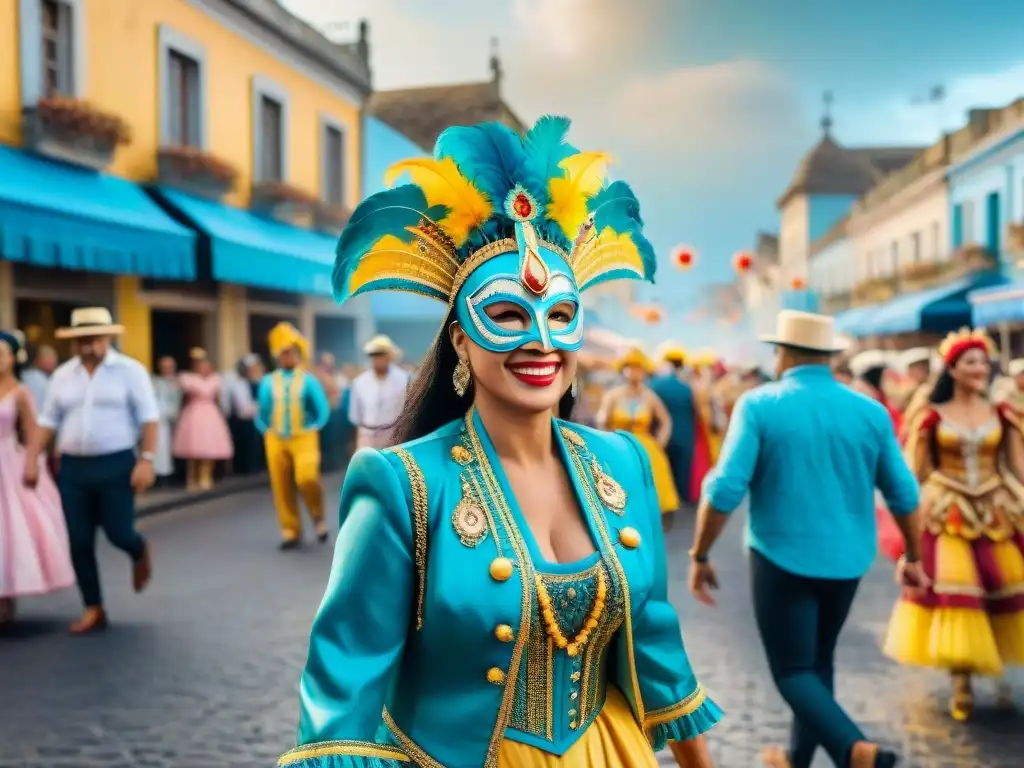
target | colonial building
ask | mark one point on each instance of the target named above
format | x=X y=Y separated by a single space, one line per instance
x=186 y=162
x=832 y=268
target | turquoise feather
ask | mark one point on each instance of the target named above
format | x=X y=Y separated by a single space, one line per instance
x=389 y=212
x=489 y=154
x=616 y=206
x=546 y=147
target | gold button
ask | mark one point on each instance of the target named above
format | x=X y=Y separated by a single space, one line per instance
x=574 y=725
x=573 y=696
x=461 y=455
x=575 y=676
x=501 y=569
x=630 y=538
x=495 y=676
x=504 y=633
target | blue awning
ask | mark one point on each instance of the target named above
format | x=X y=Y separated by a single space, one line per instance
x=56 y=215
x=997 y=304
x=937 y=310
x=247 y=249
x=849 y=320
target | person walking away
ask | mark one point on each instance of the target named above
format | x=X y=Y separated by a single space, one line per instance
x=869 y=369
x=810 y=452
x=969 y=456
x=34 y=554
x=97 y=405
x=378 y=394
x=238 y=403
x=36 y=378
x=202 y=437
x=292 y=410
x=633 y=407
x=677 y=394
x=168 y=398
x=330 y=436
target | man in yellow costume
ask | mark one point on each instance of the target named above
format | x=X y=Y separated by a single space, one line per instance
x=293 y=408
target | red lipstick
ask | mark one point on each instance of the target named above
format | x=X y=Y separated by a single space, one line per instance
x=536 y=374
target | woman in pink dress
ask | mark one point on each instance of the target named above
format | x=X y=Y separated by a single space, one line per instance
x=202 y=437
x=34 y=553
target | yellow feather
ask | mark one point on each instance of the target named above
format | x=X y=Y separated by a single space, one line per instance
x=608 y=251
x=443 y=184
x=391 y=256
x=584 y=176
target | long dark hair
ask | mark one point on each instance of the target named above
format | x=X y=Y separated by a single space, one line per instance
x=431 y=401
x=942 y=391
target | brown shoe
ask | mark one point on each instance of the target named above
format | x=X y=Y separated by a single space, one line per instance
x=775 y=756
x=142 y=569
x=863 y=755
x=94 y=619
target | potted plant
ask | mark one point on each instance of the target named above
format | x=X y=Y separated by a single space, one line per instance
x=284 y=202
x=194 y=171
x=74 y=131
x=331 y=217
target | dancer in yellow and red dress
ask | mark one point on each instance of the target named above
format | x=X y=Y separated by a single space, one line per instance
x=969 y=456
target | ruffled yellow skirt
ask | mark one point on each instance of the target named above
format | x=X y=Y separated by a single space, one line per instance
x=664 y=483
x=972 y=619
x=613 y=740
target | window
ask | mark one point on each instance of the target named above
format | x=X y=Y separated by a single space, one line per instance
x=183 y=102
x=182 y=75
x=270 y=165
x=915 y=247
x=58 y=49
x=967 y=233
x=936 y=242
x=334 y=165
x=270 y=131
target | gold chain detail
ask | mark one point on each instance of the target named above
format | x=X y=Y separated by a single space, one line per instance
x=571 y=647
x=489 y=251
x=420 y=518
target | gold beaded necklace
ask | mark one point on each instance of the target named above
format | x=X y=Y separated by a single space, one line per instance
x=547 y=611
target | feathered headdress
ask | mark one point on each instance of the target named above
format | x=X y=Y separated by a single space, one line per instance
x=958 y=342
x=485 y=191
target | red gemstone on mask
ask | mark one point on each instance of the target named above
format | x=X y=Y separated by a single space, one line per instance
x=535 y=274
x=522 y=206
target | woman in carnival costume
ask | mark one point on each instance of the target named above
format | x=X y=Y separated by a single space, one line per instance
x=707 y=442
x=35 y=557
x=969 y=455
x=635 y=408
x=499 y=583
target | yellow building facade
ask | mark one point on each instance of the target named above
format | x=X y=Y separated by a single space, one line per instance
x=238 y=59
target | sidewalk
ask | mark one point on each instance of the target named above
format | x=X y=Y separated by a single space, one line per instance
x=166 y=499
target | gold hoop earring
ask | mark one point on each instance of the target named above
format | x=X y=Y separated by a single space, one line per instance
x=461 y=377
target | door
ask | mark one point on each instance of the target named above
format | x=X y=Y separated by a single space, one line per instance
x=993 y=224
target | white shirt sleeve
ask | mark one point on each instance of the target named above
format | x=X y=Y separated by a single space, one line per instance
x=142 y=394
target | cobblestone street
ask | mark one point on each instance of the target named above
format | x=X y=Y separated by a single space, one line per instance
x=200 y=671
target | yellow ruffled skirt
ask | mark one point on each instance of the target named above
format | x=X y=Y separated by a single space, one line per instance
x=664 y=483
x=613 y=740
x=972 y=619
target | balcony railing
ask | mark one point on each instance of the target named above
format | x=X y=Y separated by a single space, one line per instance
x=923 y=275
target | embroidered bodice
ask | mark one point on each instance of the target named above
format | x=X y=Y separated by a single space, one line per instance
x=632 y=415
x=968 y=456
x=557 y=696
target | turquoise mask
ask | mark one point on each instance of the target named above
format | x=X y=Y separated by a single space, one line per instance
x=536 y=280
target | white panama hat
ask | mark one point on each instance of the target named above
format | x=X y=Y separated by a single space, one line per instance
x=805 y=330
x=90 y=321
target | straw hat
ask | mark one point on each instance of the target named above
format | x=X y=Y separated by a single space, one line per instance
x=90 y=321
x=635 y=357
x=805 y=330
x=915 y=356
x=868 y=360
x=196 y=354
x=670 y=352
x=381 y=345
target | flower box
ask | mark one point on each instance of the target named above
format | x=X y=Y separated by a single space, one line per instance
x=195 y=172
x=285 y=203
x=74 y=131
x=331 y=218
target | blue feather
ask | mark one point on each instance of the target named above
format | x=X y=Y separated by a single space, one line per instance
x=616 y=206
x=546 y=148
x=387 y=213
x=490 y=155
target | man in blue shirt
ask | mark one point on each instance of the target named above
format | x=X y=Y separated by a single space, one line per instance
x=810 y=452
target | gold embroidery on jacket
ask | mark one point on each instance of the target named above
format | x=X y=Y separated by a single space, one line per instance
x=420 y=521
x=341 y=748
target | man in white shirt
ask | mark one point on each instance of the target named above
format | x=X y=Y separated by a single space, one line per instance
x=377 y=395
x=37 y=378
x=96 y=406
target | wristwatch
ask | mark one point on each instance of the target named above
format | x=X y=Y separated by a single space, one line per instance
x=697 y=557
x=147 y=456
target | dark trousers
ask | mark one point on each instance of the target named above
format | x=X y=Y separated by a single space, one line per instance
x=799 y=619
x=680 y=459
x=96 y=492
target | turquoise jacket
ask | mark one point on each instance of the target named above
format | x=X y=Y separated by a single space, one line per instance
x=418 y=651
x=290 y=402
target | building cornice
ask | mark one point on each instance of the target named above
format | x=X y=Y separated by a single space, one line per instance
x=339 y=68
x=862 y=218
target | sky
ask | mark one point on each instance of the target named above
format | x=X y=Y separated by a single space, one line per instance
x=707 y=105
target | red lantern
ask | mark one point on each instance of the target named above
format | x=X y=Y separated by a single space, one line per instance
x=684 y=257
x=742 y=262
x=797 y=284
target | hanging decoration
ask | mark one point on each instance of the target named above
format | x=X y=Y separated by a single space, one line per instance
x=742 y=262
x=684 y=257
x=797 y=283
x=651 y=314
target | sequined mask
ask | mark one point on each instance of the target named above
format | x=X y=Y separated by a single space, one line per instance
x=537 y=280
